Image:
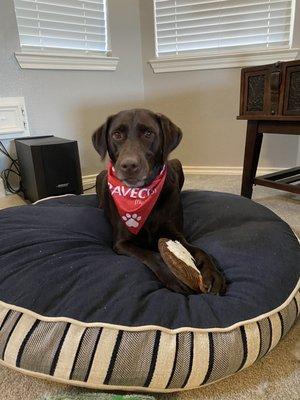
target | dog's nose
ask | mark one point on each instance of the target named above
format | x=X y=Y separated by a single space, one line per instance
x=129 y=165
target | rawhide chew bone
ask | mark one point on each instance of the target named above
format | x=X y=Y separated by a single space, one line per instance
x=181 y=263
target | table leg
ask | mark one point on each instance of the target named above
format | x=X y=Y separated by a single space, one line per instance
x=251 y=157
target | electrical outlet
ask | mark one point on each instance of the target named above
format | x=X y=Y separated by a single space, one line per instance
x=13 y=118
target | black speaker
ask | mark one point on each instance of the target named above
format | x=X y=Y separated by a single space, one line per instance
x=49 y=166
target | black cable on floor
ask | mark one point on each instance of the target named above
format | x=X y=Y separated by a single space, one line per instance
x=92 y=187
x=13 y=169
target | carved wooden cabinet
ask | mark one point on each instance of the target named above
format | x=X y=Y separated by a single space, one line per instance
x=270 y=101
x=271 y=91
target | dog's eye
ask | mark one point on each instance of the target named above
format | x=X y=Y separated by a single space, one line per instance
x=148 y=134
x=118 y=135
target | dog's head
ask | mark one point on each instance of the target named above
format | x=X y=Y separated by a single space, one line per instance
x=138 y=142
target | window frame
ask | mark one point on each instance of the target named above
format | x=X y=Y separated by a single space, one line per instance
x=67 y=59
x=219 y=59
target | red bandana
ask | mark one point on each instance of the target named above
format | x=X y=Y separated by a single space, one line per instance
x=135 y=204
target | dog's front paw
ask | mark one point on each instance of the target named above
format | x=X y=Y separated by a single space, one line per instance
x=213 y=279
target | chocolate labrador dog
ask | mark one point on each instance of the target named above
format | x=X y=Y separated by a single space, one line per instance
x=138 y=143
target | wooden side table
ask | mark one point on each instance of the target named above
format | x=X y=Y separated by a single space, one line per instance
x=283 y=180
x=270 y=102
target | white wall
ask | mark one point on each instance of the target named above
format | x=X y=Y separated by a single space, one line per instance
x=72 y=104
x=205 y=104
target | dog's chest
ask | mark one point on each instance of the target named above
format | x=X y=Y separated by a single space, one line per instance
x=165 y=215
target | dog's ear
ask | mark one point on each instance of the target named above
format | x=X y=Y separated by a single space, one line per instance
x=172 y=135
x=99 y=138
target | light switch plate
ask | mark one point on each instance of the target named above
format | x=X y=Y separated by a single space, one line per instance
x=13 y=118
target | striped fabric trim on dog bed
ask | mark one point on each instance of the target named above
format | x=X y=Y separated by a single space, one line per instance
x=158 y=360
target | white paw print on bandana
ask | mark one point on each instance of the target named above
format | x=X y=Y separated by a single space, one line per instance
x=131 y=220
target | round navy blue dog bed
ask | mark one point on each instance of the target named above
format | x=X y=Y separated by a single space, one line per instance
x=74 y=311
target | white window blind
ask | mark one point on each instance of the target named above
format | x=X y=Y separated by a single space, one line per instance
x=193 y=26
x=62 y=24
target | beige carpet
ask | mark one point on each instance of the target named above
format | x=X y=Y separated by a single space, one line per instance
x=275 y=377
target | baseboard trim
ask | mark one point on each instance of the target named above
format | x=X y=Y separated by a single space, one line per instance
x=89 y=180
x=2 y=189
x=210 y=170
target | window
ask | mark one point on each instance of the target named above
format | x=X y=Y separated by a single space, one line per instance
x=69 y=27
x=195 y=27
